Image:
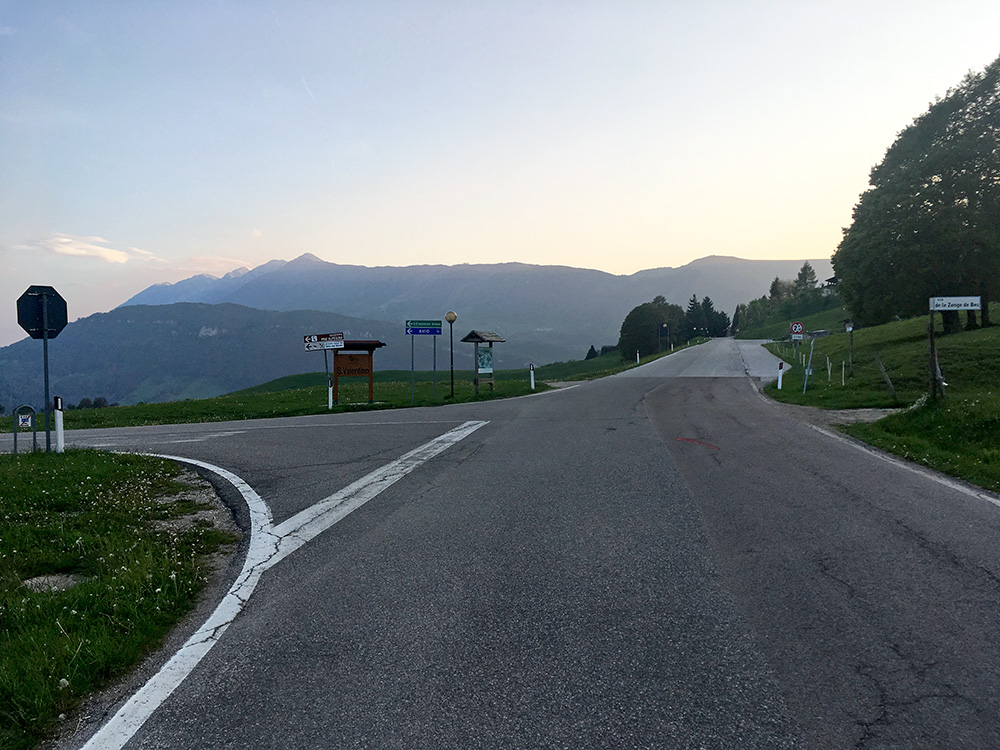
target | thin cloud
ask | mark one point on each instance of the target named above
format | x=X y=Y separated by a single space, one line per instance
x=146 y=255
x=92 y=248
x=306 y=87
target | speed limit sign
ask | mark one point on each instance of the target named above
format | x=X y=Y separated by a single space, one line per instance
x=797 y=329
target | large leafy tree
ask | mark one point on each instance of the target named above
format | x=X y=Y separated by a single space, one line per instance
x=930 y=222
x=650 y=327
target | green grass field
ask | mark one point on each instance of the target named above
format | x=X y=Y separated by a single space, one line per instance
x=303 y=394
x=827 y=320
x=298 y=395
x=114 y=525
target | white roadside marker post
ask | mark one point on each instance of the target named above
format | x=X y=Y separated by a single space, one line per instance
x=60 y=437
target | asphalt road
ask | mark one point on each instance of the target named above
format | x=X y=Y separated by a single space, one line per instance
x=657 y=559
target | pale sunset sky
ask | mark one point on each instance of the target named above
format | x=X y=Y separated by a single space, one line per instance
x=145 y=142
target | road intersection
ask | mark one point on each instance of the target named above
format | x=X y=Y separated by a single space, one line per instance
x=656 y=559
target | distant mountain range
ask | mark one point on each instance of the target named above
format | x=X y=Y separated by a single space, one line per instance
x=560 y=309
x=205 y=335
x=171 y=352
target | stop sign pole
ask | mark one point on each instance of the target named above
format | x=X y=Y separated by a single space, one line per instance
x=41 y=311
x=45 y=360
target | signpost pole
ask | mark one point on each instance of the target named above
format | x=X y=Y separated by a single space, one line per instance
x=850 y=356
x=41 y=311
x=371 y=377
x=329 y=383
x=336 y=378
x=451 y=317
x=805 y=380
x=435 y=367
x=935 y=377
x=45 y=358
x=932 y=355
x=423 y=328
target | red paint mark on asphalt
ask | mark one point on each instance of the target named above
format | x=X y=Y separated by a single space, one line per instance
x=698 y=442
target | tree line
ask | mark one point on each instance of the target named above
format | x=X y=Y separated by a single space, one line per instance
x=929 y=223
x=654 y=326
x=786 y=299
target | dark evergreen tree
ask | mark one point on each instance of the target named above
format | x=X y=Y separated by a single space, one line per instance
x=716 y=321
x=695 y=323
x=591 y=353
x=805 y=282
x=781 y=289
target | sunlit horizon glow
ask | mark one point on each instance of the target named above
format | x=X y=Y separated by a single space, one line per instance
x=145 y=143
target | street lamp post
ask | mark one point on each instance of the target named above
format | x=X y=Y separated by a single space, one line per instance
x=451 y=317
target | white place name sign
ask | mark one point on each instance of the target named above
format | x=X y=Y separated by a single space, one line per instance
x=955 y=303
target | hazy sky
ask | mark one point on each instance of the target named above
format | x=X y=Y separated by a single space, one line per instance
x=149 y=141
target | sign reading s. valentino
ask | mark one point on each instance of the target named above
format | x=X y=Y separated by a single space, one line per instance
x=352 y=365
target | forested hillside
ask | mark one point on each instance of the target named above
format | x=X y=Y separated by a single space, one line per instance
x=787 y=300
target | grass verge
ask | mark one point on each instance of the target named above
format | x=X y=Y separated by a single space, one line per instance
x=305 y=394
x=958 y=435
x=96 y=565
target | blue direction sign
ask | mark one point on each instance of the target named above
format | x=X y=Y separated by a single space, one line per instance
x=423 y=328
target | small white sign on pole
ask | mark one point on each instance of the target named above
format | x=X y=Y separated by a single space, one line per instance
x=956 y=303
x=318 y=342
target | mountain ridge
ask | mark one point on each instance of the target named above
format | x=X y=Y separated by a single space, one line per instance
x=206 y=335
x=514 y=296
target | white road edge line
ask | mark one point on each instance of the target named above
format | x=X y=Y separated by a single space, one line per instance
x=268 y=545
x=979 y=494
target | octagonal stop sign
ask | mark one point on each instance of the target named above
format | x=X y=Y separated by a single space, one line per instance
x=41 y=309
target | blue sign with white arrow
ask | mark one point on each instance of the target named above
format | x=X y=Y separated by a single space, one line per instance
x=423 y=328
